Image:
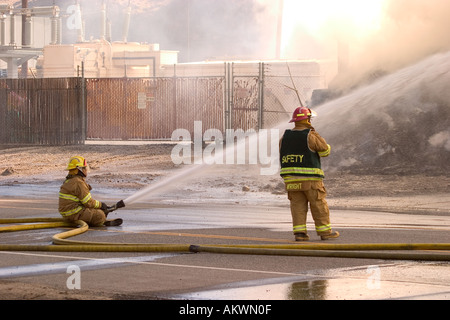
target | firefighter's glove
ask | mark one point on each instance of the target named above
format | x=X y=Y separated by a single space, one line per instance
x=105 y=208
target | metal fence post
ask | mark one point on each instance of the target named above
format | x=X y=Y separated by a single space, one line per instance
x=225 y=97
x=229 y=84
x=261 y=96
x=175 y=104
x=231 y=74
x=83 y=106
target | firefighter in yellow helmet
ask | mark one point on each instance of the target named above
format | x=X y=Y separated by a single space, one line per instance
x=75 y=199
x=300 y=151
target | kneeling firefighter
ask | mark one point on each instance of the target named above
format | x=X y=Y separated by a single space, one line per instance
x=75 y=199
x=300 y=151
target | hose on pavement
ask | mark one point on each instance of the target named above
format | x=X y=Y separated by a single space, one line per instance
x=61 y=243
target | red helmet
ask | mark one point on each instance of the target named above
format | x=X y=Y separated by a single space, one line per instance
x=301 y=113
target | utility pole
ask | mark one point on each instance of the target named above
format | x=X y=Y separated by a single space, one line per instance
x=25 y=37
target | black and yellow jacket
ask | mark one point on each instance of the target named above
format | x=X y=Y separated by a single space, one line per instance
x=300 y=153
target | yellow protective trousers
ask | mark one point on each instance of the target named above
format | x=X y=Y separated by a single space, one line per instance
x=320 y=212
x=93 y=217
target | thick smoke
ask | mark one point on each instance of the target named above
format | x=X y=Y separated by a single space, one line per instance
x=397 y=121
x=409 y=31
x=198 y=29
x=203 y=29
x=398 y=124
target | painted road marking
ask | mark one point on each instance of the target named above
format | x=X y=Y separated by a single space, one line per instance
x=61 y=267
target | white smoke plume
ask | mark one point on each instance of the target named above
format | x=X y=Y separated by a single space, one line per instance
x=397 y=124
x=405 y=32
x=410 y=30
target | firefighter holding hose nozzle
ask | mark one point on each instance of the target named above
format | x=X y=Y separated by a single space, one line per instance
x=75 y=199
x=300 y=151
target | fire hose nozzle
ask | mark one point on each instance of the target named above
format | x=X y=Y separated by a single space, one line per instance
x=118 y=205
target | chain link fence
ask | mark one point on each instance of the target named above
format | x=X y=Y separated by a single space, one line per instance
x=245 y=96
x=41 y=111
x=151 y=109
x=282 y=81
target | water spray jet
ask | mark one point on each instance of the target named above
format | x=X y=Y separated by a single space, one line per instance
x=254 y=148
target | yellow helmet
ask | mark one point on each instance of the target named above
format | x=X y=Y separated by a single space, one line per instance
x=76 y=162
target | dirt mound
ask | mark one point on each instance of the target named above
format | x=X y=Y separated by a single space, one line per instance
x=7 y=172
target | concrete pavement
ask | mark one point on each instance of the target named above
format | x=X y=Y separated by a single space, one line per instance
x=222 y=276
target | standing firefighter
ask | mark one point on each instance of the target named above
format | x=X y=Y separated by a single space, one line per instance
x=75 y=200
x=300 y=151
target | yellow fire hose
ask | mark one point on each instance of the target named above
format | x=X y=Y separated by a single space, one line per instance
x=61 y=243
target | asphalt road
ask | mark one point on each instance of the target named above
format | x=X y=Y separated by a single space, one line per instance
x=198 y=276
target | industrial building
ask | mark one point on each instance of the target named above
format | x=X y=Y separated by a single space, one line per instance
x=34 y=35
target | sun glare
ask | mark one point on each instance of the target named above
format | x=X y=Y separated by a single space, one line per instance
x=332 y=18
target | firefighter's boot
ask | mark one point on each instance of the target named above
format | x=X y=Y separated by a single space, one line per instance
x=331 y=235
x=113 y=223
x=301 y=237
